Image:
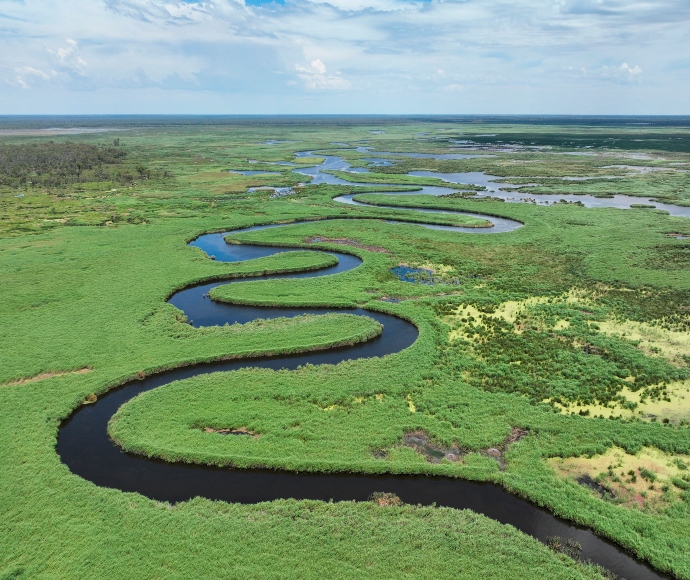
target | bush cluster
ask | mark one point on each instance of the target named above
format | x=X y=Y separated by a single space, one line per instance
x=54 y=164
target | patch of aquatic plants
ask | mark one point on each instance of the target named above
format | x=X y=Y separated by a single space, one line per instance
x=571 y=548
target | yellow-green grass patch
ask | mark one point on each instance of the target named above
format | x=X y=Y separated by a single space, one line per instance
x=650 y=479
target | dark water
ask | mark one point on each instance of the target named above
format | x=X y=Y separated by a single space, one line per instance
x=83 y=443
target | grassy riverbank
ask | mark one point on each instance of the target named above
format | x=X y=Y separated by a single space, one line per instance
x=104 y=289
x=529 y=332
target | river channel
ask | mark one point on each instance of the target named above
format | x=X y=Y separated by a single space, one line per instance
x=495 y=186
x=84 y=445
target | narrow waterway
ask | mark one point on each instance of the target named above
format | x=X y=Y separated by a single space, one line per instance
x=84 y=445
x=495 y=186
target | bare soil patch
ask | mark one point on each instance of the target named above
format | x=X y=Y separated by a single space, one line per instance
x=238 y=431
x=44 y=376
x=421 y=442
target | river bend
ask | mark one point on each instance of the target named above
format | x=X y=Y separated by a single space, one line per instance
x=84 y=445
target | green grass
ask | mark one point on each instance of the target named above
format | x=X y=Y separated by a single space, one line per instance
x=94 y=296
x=100 y=287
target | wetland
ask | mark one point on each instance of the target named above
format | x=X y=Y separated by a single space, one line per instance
x=253 y=281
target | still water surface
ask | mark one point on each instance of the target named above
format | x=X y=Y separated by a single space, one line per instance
x=84 y=445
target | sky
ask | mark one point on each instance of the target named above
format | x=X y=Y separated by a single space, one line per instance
x=345 y=56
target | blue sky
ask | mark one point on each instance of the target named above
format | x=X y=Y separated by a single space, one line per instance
x=345 y=56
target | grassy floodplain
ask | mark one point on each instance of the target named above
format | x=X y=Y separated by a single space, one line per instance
x=572 y=328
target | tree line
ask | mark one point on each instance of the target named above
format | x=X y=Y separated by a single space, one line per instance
x=56 y=164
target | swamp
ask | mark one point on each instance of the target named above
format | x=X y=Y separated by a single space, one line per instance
x=356 y=346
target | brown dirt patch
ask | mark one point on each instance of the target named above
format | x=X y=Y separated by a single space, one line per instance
x=44 y=376
x=498 y=453
x=238 y=431
x=421 y=442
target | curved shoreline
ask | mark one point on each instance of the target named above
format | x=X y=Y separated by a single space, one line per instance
x=319 y=174
x=85 y=447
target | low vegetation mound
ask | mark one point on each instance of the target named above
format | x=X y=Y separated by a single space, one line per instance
x=650 y=479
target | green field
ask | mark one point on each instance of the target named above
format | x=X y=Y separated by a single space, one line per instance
x=572 y=329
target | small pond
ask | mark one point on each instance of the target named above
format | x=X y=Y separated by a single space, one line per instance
x=414 y=275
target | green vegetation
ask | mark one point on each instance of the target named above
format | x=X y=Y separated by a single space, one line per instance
x=525 y=340
x=55 y=164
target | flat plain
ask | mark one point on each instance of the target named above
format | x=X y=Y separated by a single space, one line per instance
x=552 y=360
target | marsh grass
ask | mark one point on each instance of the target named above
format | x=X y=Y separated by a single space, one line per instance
x=94 y=296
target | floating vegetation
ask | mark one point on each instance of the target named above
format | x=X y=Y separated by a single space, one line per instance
x=568 y=547
x=384 y=499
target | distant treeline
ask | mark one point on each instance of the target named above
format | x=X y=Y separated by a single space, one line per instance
x=127 y=121
x=675 y=142
x=58 y=164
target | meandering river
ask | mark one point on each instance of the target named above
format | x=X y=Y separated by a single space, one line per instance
x=494 y=187
x=84 y=445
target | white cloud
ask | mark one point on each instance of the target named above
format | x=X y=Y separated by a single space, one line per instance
x=404 y=54
x=68 y=58
x=632 y=72
x=316 y=77
x=623 y=73
x=26 y=74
